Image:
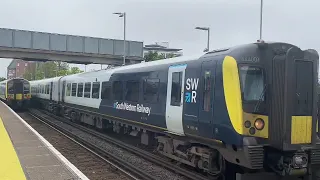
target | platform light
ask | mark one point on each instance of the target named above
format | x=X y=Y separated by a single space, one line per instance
x=123 y=14
x=208 y=40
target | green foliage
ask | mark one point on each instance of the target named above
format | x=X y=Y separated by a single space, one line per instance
x=2 y=78
x=49 y=69
x=75 y=70
x=154 y=55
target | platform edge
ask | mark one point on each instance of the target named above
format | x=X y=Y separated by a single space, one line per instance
x=69 y=165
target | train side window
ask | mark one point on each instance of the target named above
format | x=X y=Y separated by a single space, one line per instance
x=47 y=89
x=74 y=89
x=150 y=90
x=80 y=89
x=106 y=90
x=117 y=90
x=68 y=92
x=207 y=91
x=132 y=91
x=95 y=90
x=176 y=88
x=87 y=89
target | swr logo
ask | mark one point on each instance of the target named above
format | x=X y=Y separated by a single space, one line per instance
x=191 y=85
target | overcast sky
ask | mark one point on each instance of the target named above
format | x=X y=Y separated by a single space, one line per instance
x=232 y=22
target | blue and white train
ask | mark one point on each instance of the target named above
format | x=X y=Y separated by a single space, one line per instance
x=233 y=107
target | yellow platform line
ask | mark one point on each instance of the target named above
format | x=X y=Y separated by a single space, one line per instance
x=10 y=167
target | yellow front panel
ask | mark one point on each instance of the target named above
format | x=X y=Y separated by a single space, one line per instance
x=301 y=129
x=264 y=133
x=18 y=96
x=10 y=167
x=232 y=92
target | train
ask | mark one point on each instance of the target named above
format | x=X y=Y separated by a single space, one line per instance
x=16 y=92
x=248 y=108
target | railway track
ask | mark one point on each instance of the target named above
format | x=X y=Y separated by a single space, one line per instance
x=144 y=164
x=154 y=159
x=87 y=160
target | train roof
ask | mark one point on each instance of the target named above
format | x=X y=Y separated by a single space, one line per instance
x=46 y=80
x=174 y=60
x=109 y=72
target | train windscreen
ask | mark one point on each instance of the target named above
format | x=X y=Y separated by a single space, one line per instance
x=10 y=87
x=253 y=89
x=252 y=83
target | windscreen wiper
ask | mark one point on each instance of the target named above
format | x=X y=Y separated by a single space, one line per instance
x=256 y=108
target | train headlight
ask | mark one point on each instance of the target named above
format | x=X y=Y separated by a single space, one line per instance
x=252 y=130
x=259 y=124
x=247 y=124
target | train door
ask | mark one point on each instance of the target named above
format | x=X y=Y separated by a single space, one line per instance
x=206 y=99
x=51 y=88
x=174 y=102
x=63 y=90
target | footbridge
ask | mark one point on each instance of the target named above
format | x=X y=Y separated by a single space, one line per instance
x=41 y=46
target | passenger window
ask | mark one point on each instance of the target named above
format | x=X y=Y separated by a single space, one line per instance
x=106 y=90
x=95 y=90
x=80 y=90
x=87 y=89
x=47 y=89
x=150 y=90
x=132 y=93
x=207 y=91
x=117 y=90
x=74 y=89
x=176 y=88
x=68 y=92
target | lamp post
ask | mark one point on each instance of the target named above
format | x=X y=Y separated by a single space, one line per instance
x=261 y=7
x=208 y=41
x=124 y=35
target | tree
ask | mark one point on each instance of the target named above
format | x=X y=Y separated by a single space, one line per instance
x=2 y=78
x=49 y=69
x=154 y=55
x=75 y=70
x=151 y=56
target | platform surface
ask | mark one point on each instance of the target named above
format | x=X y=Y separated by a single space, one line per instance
x=26 y=155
